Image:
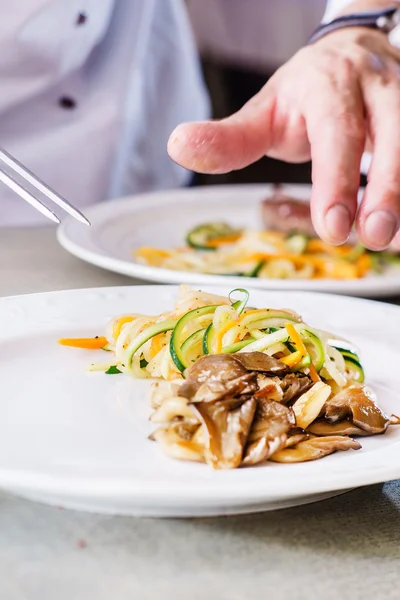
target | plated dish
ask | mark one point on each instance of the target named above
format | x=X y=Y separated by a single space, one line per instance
x=285 y=246
x=163 y=220
x=80 y=439
x=245 y=385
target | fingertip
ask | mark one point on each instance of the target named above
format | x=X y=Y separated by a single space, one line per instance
x=176 y=137
x=378 y=229
x=180 y=141
x=333 y=224
x=338 y=222
x=198 y=146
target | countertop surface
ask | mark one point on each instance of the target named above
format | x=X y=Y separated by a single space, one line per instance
x=345 y=547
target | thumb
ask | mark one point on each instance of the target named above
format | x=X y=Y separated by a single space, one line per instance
x=226 y=145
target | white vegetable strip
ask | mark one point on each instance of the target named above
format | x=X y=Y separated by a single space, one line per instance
x=309 y=405
x=337 y=377
x=266 y=341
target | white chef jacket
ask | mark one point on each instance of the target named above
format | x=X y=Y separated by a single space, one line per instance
x=90 y=91
x=335 y=7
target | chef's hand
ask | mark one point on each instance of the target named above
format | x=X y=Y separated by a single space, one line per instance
x=328 y=103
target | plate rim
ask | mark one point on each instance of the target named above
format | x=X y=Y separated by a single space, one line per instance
x=255 y=491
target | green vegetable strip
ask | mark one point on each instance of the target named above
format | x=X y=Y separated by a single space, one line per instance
x=145 y=336
x=113 y=370
x=240 y=305
x=237 y=346
x=175 y=346
x=268 y=340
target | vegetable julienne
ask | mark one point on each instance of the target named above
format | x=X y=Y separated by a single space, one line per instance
x=163 y=346
x=242 y=385
x=219 y=249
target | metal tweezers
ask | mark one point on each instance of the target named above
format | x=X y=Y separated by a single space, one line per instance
x=40 y=186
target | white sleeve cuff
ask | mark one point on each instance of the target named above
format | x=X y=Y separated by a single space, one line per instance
x=334 y=8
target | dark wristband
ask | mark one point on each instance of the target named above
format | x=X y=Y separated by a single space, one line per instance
x=384 y=20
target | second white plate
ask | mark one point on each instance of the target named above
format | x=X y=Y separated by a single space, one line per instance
x=162 y=219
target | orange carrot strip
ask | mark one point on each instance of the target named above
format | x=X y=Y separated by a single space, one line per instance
x=87 y=343
x=313 y=373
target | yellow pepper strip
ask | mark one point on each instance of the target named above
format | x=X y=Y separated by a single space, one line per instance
x=87 y=343
x=313 y=373
x=292 y=359
x=220 y=335
x=296 y=338
x=157 y=344
x=118 y=325
x=301 y=351
x=363 y=265
x=340 y=269
x=225 y=239
x=154 y=256
x=320 y=246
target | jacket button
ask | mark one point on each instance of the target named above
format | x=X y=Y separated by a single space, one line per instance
x=67 y=102
x=81 y=18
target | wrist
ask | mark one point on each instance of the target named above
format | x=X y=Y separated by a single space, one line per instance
x=384 y=20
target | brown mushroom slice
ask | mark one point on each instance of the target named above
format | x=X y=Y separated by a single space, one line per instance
x=357 y=403
x=188 y=389
x=227 y=427
x=322 y=428
x=213 y=368
x=213 y=390
x=269 y=431
x=296 y=436
x=269 y=387
x=315 y=449
x=294 y=385
x=258 y=361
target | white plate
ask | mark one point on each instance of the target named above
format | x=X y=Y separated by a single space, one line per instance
x=78 y=439
x=162 y=219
